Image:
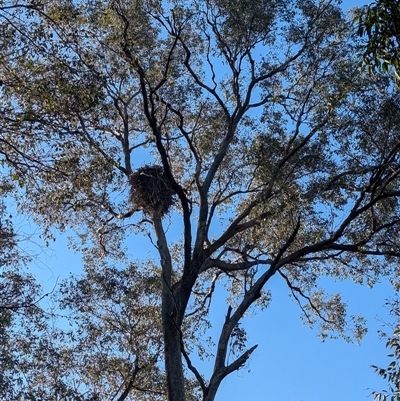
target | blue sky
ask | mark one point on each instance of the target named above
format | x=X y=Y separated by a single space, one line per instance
x=291 y=363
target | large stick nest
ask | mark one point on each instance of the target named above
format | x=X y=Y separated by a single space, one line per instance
x=151 y=190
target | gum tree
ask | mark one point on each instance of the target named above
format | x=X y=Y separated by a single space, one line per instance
x=237 y=136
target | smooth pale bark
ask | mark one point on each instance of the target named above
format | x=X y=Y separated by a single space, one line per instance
x=171 y=330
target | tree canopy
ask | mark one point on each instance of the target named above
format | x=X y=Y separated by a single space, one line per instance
x=244 y=125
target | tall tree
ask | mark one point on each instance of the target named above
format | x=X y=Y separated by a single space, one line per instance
x=244 y=125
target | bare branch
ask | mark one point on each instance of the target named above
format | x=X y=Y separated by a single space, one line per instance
x=230 y=267
x=235 y=365
x=294 y=289
x=130 y=384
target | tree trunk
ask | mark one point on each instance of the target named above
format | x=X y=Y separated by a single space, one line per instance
x=171 y=329
x=173 y=357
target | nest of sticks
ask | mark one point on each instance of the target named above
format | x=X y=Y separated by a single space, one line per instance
x=151 y=191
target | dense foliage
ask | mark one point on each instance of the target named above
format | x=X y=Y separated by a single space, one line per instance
x=380 y=23
x=267 y=152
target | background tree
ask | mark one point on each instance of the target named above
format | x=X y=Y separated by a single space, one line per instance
x=19 y=292
x=392 y=372
x=246 y=126
x=102 y=342
x=380 y=23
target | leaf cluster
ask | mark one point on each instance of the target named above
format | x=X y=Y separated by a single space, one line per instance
x=379 y=22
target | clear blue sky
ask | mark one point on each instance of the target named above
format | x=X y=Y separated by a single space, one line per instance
x=291 y=363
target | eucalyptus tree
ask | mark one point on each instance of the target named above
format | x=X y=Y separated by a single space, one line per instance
x=239 y=137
